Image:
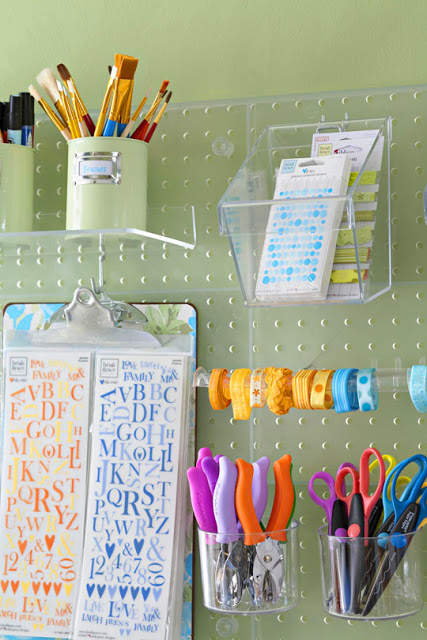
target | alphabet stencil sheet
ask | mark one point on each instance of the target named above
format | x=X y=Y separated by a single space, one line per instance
x=137 y=428
x=46 y=420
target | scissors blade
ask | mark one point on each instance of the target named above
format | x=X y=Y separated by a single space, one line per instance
x=393 y=555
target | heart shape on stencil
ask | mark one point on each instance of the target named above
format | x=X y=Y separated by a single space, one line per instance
x=102 y=381
x=123 y=592
x=14 y=584
x=120 y=541
x=145 y=592
x=90 y=589
x=25 y=586
x=4 y=585
x=109 y=548
x=49 y=541
x=46 y=587
x=22 y=544
x=156 y=593
x=134 y=592
x=31 y=538
x=68 y=587
x=57 y=587
x=101 y=589
x=138 y=545
x=36 y=587
x=124 y=631
x=112 y=591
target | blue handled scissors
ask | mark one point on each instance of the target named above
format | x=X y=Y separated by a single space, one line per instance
x=394 y=506
x=410 y=511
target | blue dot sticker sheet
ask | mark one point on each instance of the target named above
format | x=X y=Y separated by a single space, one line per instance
x=301 y=234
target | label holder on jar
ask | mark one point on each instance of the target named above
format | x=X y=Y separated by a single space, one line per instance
x=97 y=167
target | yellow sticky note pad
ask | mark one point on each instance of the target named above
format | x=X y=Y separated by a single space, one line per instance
x=346 y=276
x=368 y=177
x=368 y=196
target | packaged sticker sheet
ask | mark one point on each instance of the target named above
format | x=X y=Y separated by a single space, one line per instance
x=301 y=232
x=43 y=491
x=132 y=496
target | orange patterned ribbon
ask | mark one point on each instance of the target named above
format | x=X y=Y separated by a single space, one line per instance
x=321 y=390
x=217 y=396
x=258 y=399
x=301 y=388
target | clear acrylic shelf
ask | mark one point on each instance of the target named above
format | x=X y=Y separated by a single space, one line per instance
x=361 y=218
x=170 y=225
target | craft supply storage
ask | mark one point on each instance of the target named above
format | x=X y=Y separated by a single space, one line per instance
x=199 y=151
x=273 y=239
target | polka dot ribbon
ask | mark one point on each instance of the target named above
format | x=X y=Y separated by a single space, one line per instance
x=367 y=389
x=344 y=390
x=301 y=388
x=417 y=383
x=321 y=390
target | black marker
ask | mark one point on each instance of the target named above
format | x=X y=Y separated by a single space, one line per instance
x=27 y=137
x=14 y=130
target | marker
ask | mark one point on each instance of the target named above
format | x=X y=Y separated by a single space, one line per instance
x=5 y=121
x=27 y=138
x=14 y=133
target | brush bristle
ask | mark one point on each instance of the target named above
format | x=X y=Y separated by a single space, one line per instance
x=168 y=97
x=63 y=72
x=128 y=68
x=46 y=79
x=118 y=57
x=37 y=97
x=164 y=86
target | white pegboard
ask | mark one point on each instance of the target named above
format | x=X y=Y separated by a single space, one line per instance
x=187 y=168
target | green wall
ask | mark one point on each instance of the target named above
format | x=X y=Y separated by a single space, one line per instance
x=222 y=48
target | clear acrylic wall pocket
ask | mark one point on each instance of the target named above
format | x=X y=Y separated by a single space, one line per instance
x=353 y=259
x=250 y=579
x=107 y=184
x=376 y=578
x=16 y=188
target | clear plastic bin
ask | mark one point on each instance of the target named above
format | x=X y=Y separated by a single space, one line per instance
x=370 y=578
x=233 y=578
x=349 y=263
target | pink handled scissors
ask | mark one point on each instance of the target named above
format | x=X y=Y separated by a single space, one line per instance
x=359 y=501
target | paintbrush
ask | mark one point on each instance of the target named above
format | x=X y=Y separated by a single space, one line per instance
x=72 y=120
x=123 y=84
x=50 y=113
x=134 y=118
x=157 y=119
x=47 y=80
x=141 y=131
x=69 y=82
x=106 y=101
x=84 y=132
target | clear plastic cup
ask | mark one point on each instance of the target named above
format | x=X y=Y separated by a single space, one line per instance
x=233 y=576
x=371 y=578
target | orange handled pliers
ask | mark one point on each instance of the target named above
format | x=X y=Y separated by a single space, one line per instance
x=266 y=574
